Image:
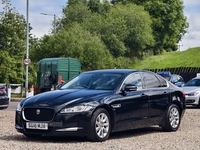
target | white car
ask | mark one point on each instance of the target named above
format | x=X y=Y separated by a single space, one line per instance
x=192 y=92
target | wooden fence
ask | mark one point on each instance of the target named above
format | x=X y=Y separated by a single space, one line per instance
x=186 y=72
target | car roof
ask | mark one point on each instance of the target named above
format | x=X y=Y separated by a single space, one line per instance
x=164 y=73
x=124 y=71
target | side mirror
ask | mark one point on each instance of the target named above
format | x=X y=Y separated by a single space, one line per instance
x=130 y=87
x=59 y=86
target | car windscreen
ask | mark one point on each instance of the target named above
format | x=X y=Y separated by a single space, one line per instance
x=98 y=81
x=193 y=82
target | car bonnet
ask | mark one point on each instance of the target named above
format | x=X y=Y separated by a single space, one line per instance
x=59 y=97
x=190 y=89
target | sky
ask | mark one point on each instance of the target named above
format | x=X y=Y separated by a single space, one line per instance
x=42 y=24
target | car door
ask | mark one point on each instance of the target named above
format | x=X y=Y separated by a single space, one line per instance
x=134 y=105
x=159 y=96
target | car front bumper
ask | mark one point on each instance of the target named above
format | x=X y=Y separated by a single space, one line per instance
x=74 y=124
x=4 y=102
x=192 y=100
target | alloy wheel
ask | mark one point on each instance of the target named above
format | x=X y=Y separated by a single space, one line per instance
x=102 y=125
x=174 y=117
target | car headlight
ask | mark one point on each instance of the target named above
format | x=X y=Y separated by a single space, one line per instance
x=193 y=94
x=79 y=108
x=19 y=107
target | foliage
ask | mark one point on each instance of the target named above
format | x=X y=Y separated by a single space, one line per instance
x=126 y=31
x=12 y=45
x=76 y=43
x=98 y=33
x=98 y=7
x=169 y=22
x=133 y=27
x=75 y=13
x=72 y=2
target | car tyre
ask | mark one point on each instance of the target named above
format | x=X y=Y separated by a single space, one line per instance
x=100 y=126
x=198 y=106
x=172 y=119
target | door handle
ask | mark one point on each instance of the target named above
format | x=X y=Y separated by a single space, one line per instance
x=143 y=95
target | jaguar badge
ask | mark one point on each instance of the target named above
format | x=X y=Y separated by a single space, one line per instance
x=37 y=111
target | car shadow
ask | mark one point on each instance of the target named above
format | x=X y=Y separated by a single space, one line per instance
x=191 y=107
x=45 y=139
x=73 y=139
x=135 y=132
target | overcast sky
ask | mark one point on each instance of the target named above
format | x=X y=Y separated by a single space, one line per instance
x=43 y=23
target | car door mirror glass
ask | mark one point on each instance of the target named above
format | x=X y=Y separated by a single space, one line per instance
x=59 y=86
x=130 y=87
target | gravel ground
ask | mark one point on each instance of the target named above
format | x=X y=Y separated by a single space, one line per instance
x=186 y=138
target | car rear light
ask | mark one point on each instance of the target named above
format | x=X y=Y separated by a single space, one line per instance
x=183 y=95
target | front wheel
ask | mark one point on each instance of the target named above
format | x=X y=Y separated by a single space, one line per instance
x=100 y=126
x=172 y=121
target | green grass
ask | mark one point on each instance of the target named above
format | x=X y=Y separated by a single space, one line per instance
x=188 y=58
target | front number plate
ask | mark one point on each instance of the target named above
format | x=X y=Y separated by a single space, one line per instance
x=34 y=125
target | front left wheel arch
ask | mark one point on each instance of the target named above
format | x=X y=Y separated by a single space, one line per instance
x=109 y=110
x=100 y=125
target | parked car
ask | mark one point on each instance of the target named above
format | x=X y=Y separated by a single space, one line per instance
x=4 y=99
x=173 y=78
x=96 y=103
x=192 y=92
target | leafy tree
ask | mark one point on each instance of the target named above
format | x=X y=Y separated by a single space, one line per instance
x=125 y=30
x=72 y=2
x=12 y=45
x=75 y=13
x=99 y=6
x=135 y=24
x=169 y=22
x=75 y=42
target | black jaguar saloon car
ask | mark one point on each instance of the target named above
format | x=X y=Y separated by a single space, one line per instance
x=96 y=103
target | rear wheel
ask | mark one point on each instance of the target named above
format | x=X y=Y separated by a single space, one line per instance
x=100 y=126
x=172 y=121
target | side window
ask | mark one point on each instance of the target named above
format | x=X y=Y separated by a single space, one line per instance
x=180 y=79
x=134 y=79
x=172 y=79
x=151 y=81
x=163 y=83
x=175 y=79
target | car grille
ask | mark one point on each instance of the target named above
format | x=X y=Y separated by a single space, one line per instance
x=38 y=114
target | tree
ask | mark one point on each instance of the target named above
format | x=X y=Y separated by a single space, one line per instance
x=73 y=41
x=75 y=12
x=72 y=2
x=12 y=45
x=125 y=30
x=135 y=23
x=169 y=23
x=98 y=6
